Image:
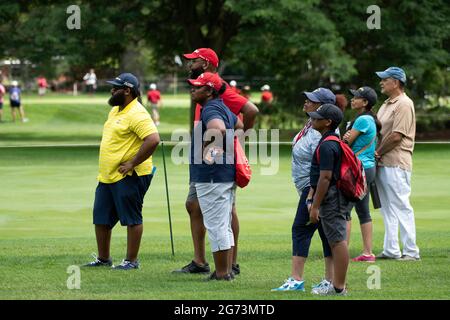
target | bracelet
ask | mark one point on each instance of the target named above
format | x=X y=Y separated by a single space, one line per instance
x=309 y=201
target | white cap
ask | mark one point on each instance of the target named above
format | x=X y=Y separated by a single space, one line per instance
x=14 y=83
x=153 y=86
x=233 y=83
x=265 y=87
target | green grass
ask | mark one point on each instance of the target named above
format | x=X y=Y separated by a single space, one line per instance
x=64 y=119
x=46 y=200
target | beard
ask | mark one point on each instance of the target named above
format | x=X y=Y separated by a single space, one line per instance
x=195 y=73
x=118 y=99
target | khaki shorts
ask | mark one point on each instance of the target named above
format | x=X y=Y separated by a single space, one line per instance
x=192 y=193
x=216 y=203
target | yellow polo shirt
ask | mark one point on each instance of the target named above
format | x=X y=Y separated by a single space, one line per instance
x=123 y=135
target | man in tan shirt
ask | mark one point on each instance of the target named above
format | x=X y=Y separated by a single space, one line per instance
x=394 y=154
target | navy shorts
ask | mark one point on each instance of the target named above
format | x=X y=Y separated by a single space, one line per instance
x=14 y=104
x=121 y=201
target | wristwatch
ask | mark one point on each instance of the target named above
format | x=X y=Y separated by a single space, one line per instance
x=309 y=201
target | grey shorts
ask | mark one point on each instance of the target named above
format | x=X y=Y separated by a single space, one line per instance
x=333 y=215
x=192 y=193
x=216 y=202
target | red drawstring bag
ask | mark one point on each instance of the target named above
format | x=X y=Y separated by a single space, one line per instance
x=243 y=170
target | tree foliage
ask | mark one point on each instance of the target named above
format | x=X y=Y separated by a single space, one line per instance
x=301 y=44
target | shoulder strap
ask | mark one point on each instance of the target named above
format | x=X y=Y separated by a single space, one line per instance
x=329 y=138
x=366 y=146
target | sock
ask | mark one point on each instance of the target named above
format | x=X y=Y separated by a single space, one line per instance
x=338 y=290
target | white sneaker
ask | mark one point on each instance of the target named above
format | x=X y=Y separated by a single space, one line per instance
x=322 y=286
x=330 y=291
x=25 y=120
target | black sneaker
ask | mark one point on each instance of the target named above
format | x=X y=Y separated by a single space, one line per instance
x=127 y=265
x=235 y=269
x=193 y=267
x=98 y=262
x=227 y=277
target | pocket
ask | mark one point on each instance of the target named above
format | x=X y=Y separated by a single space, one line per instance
x=330 y=204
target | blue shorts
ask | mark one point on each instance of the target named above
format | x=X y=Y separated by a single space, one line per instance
x=14 y=104
x=121 y=201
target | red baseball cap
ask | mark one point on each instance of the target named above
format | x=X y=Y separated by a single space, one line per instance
x=207 y=79
x=205 y=54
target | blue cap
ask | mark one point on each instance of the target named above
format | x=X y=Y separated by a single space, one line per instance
x=321 y=95
x=393 y=72
x=125 y=80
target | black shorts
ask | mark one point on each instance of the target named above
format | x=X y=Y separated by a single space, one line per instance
x=14 y=104
x=121 y=201
x=333 y=215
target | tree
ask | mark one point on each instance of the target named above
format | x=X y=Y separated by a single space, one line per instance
x=414 y=35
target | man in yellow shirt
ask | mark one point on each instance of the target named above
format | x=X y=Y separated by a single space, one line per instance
x=125 y=171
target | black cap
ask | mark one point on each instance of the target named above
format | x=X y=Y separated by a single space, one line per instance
x=125 y=80
x=367 y=93
x=328 y=111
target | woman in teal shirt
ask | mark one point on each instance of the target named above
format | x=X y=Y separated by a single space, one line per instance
x=362 y=137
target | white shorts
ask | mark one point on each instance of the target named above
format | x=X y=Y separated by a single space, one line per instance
x=216 y=202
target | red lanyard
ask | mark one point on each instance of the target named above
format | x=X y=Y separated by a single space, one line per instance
x=303 y=132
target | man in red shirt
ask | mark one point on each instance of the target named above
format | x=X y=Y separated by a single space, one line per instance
x=154 y=102
x=266 y=96
x=200 y=61
x=42 y=85
x=234 y=87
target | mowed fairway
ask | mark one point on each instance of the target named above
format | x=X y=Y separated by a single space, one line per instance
x=47 y=193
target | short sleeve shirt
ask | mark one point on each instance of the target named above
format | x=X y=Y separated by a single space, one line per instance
x=153 y=96
x=398 y=115
x=368 y=131
x=302 y=153
x=220 y=171
x=14 y=94
x=2 y=92
x=266 y=96
x=330 y=156
x=123 y=135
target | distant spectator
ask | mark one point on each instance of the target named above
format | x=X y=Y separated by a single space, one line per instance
x=233 y=85
x=154 y=102
x=91 y=81
x=266 y=96
x=265 y=105
x=14 y=100
x=246 y=92
x=42 y=85
x=2 y=94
